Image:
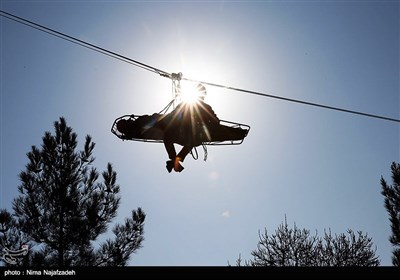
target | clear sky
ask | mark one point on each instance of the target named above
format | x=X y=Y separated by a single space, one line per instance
x=320 y=168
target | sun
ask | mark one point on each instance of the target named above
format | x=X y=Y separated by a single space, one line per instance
x=190 y=93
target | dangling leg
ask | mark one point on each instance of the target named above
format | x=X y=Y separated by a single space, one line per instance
x=181 y=157
x=184 y=152
x=169 y=147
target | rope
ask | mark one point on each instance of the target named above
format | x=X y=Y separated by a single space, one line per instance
x=195 y=157
x=167 y=107
x=194 y=151
x=205 y=152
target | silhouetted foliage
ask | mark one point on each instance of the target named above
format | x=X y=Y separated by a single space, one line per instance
x=392 y=205
x=10 y=238
x=62 y=208
x=297 y=247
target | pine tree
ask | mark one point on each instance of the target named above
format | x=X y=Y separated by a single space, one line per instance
x=392 y=205
x=11 y=238
x=62 y=208
x=297 y=247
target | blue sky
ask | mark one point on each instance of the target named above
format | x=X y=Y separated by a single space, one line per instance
x=318 y=167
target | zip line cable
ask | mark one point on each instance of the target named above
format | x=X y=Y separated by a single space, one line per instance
x=82 y=43
x=174 y=76
x=297 y=101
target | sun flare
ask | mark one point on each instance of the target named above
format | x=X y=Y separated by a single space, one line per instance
x=190 y=94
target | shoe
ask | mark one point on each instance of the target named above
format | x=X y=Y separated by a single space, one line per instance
x=177 y=166
x=170 y=165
